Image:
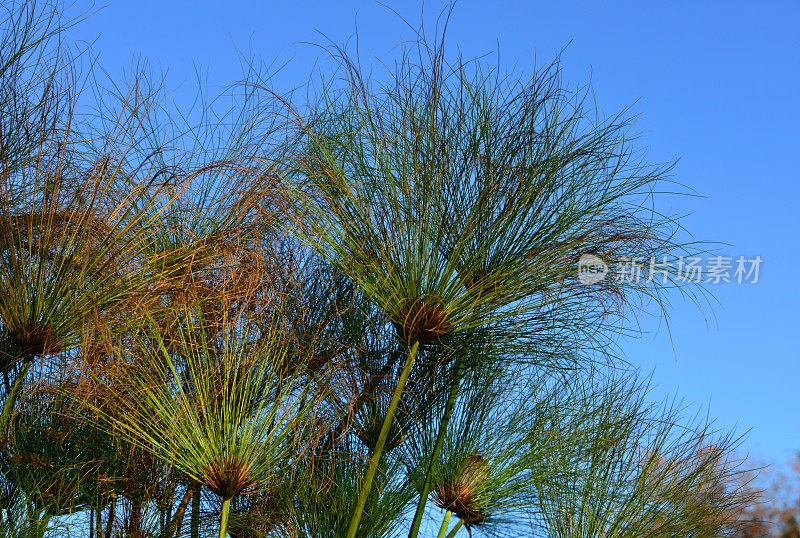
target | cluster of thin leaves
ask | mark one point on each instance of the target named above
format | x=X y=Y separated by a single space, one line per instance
x=358 y=317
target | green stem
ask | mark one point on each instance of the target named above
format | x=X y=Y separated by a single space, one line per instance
x=445 y=523
x=376 y=456
x=437 y=448
x=194 y=521
x=455 y=529
x=177 y=519
x=11 y=399
x=111 y=515
x=223 y=518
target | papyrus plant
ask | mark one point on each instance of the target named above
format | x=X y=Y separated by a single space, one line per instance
x=483 y=473
x=325 y=501
x=636 y=468
x=457 y=198
x=210 y=401
x=76 y=227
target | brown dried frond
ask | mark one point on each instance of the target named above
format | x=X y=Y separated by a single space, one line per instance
x=94 y=352
x=96 y=347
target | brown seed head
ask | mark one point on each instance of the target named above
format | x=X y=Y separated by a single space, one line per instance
x=460 y=493
x=228 y=477
x=422 y=320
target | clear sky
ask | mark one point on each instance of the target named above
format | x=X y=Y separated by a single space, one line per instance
x=715 y=85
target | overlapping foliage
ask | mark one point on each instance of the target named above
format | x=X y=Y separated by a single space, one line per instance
x=356 y=317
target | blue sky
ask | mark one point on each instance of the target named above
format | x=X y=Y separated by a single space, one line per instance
x=714 y=84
